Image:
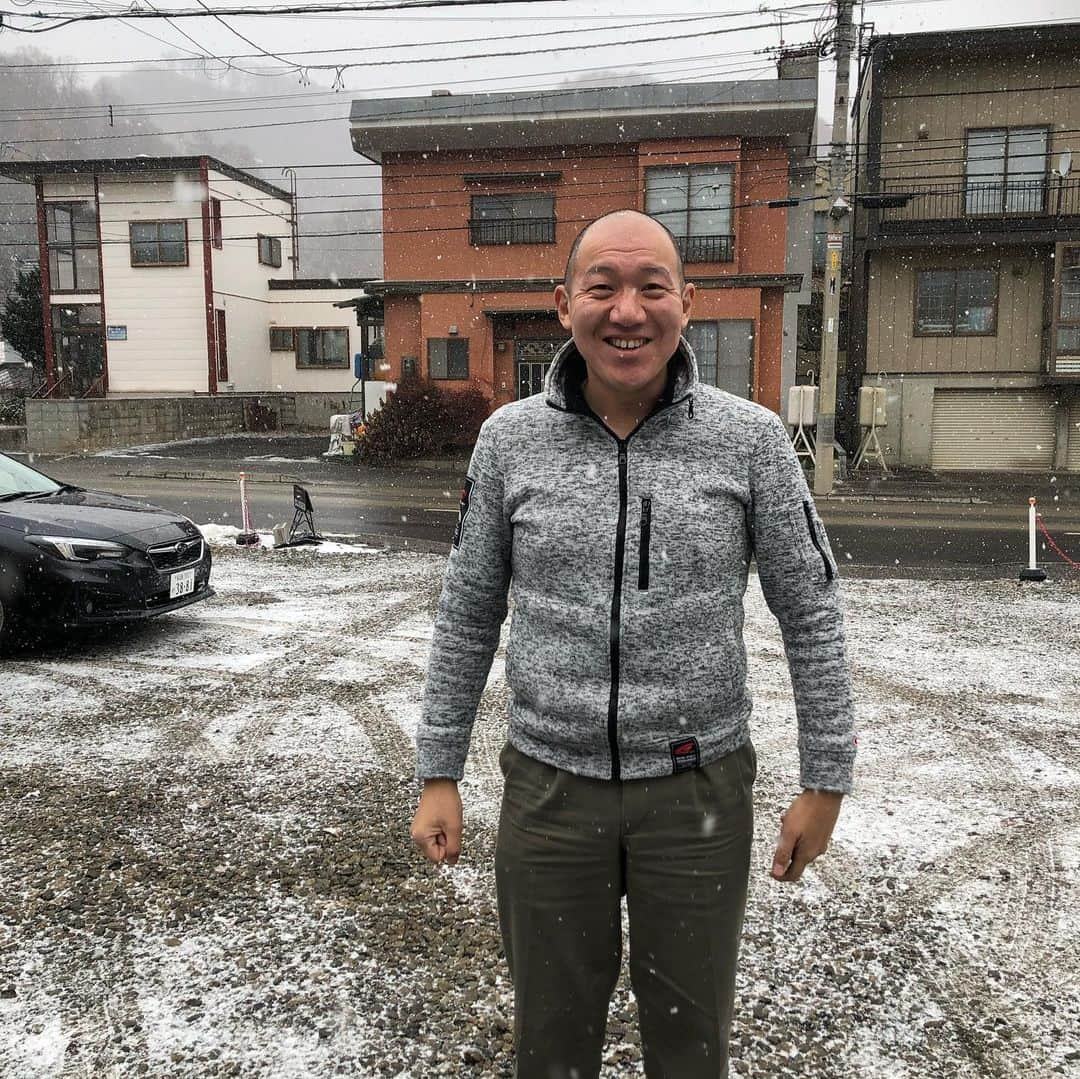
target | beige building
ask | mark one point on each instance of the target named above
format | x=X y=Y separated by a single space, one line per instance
x=177 y=277
x=966 y=269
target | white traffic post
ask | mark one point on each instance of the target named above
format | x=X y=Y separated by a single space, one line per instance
x=248 y=537
x=1032 y=573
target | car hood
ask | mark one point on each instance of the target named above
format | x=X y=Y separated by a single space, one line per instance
x=96 y=515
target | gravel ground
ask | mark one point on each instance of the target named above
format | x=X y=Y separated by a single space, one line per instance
x=206 y=870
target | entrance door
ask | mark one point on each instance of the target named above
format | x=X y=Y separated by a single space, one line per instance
x=222 y=347
x=78 y=349
x=533 y=360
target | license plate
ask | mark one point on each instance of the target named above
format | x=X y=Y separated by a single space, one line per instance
x=182 y=584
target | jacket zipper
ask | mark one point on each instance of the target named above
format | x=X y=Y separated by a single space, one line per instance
x=816 y=542
x=643 y=546
x=614 y=628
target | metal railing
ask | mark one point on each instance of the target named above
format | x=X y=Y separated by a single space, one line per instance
x=491 y=231
x=1001 y=200
x=706 y=248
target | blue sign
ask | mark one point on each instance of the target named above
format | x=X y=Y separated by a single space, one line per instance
x=115 y=333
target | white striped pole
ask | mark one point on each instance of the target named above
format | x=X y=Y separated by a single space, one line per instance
x=248 y=536
x=1032 y=573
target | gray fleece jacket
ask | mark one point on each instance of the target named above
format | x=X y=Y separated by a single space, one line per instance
x=628 y=561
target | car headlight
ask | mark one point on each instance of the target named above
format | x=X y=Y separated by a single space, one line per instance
x=73 y=549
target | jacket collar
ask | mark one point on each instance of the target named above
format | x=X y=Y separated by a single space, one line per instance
x=562 y=386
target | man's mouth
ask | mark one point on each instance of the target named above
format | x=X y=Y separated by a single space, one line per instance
x=627 y=344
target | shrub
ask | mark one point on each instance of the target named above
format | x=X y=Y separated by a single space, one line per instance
x=12 y=409
x=420 y=419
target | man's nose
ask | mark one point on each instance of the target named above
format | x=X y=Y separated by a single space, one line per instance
x=627 y=309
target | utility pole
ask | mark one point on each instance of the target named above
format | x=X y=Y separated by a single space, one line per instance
x=834 y=259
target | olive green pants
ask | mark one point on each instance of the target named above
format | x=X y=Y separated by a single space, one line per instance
x=568 y=849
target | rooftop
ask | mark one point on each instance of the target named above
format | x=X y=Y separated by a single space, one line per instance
x=28 y=171
x=759 y=107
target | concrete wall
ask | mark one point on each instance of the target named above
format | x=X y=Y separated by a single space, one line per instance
x=64 y=426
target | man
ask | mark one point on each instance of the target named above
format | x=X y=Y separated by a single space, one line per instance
x=624 y=504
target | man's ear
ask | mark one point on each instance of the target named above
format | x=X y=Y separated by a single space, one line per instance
x=687 y=303
x=562 y=306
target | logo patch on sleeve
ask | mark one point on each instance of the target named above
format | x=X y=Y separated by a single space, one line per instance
x=685 y=755
x=463 y=509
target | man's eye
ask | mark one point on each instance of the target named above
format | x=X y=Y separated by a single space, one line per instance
x=598 y=288
x=654 y=290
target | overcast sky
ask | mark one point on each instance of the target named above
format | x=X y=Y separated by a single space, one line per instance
x=423 y=37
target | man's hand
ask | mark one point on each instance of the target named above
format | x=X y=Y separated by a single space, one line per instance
x=804 y=832
x=436 y=826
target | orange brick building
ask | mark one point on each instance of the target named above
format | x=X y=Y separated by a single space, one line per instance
x=484 y=194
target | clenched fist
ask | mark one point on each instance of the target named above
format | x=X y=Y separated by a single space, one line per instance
x=436 y=826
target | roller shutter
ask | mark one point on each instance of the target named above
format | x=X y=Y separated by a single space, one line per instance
x=977 y=429
x=1073 y=460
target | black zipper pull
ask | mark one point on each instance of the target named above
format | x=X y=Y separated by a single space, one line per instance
x=690 y=409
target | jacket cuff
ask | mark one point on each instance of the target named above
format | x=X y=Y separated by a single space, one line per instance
x=828 y=773
x=438 y=759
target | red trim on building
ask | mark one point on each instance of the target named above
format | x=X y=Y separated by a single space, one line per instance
x=101 y=291
x=46 y=286
x=208 y=277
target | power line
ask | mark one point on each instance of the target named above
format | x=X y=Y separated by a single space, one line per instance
x=126 y=241
x=524 y=52
x=372 y=48
x=60 y=21
x=206 y=108
x=636 y=65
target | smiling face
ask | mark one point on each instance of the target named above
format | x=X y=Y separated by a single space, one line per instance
x=626 y=307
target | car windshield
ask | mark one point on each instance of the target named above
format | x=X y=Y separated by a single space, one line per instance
x=19 y=479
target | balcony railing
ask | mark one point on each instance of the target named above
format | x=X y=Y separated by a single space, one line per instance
x=706 y=248
x=489 y=231
x=1014 y=203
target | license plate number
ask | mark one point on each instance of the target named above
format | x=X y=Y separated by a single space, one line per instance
x=182 y=584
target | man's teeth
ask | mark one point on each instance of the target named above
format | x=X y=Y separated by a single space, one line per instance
x=628 y=342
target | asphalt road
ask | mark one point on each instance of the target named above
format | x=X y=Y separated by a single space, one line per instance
x=422 y=508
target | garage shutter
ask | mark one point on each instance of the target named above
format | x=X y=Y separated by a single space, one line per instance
x=975 y=429
x=1073 y=461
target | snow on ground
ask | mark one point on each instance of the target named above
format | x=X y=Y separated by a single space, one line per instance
x=206 y=866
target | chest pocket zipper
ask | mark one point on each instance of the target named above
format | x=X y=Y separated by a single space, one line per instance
x=643 y=546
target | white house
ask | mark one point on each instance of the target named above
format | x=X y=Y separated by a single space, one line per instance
x=172 y=276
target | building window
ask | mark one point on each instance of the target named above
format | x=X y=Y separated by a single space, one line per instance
x=158 y=243
x=282 y=339
x=1065 y=337
x=1005 y=170
x=448 y=357
x=270 y=251
x=956 y=303
x=215 y=223
x=71 y=230
x=695 y=204
x=322 y=348
x=725 y=353
x=512 y=219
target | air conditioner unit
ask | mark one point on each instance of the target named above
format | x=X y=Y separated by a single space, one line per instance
x=802 y=406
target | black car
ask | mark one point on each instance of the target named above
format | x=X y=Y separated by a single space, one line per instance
x=73 y=557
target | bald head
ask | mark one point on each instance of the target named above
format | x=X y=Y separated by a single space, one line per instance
x=613 y=216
